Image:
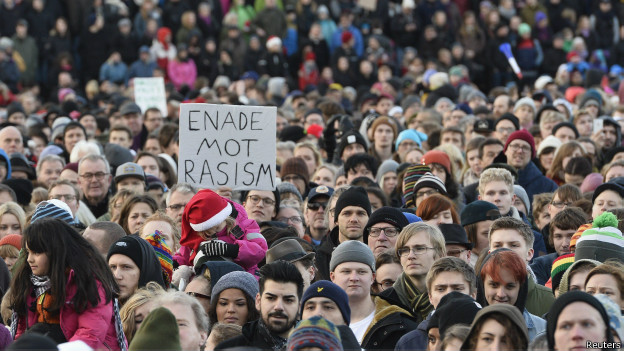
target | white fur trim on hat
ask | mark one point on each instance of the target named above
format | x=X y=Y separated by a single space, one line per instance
x=273 y=41
x=215 y=220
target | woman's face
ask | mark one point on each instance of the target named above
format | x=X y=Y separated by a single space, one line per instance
x=389 y=182
x=474 y=162
x=308 y=156
x=291 y=217
x=90 y=124
x=546 y=159
x=141 y=312
x=138 y=213
x=584 y=125
x=324 y=177
x=9 y=225
x=414 y=156
x=576 y=153
x=232 y=307
x=444 y=217
x=149 y=165
x=605 y=284
x=492 y=336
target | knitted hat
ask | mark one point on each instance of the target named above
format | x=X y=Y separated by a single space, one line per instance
x=601 y=242
x=129 y=169
x=577 y=235
x=14 y=240
x=591 y=182
x=562 y=302
x=354 y=196
x=23 y=189
x=292 y=133
x=53 y=209
x=205 y=210
x=243 y=281
x=430 y=181
x=386 y=214
x=455 y=308
x=411 y=134
x=51 y=150
x=525 y=101
x=616 y=321
x=352 y=137
x=289 y=188
x=327 y=289
x=352 y=251
x=479 y=211
x=439 y=157
x=384 y=120
x=159 y=331
x=559 y=266
x=19 y=163
x=346 y=36
x=550 y=141
x=297 y=166
x=510 y=117
x=564 y=284
x=72 y=166
x=316 y=332
x=566 y=125
x=385 y=167
x=163 y=252
x=524 y=135
x=523 y=196
x=608 y=186
x=412 y=175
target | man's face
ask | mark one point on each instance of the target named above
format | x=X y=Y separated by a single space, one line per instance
x=452 y=138
x=557 y=205
x=614 y=172
x=133 y=184
x=315 y=213
x=354 y=278
x=489 y=154
x=49 y=173
x=351 y=222
x=414 y=265
x=260 y=205
x=503 y=129
x=149 y=165
x=314 y=118
x=177 y=201
x=11 y=140
x=94 y=180
x=351 y=150
x=382 y=242
x=504 y=291
x=153 y=120
x=607 y=200
x=459 y=251
x=126 y=274
x=278 y=306
x=66 y=194
x=446 y=282
x=501 y=105
x=121 y=138
x=165 y=229
x=584 y=125
x=561 y=240
x=565 y=134
x=497 y=192
x=383 y=135
x=191 y=338
x=359 y=171
x=525 y=115
x=579 y=323
x=297 y=180
x=511 y=239
x=134 y=121
x=518 y=154
x=323 y=307
x=610 y=136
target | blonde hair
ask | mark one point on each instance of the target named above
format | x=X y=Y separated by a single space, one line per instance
x=435 y=236
x=494 y=175
x=550 y=116
x=9 y=251
x=16 y=210
x=142 y=296
x=457 y=159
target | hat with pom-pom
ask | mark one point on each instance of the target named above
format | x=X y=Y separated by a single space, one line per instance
x=601 y=242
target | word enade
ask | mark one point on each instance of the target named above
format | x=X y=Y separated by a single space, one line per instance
x=227 y=145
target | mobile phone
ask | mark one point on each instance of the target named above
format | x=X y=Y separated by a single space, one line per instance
x=598 y=125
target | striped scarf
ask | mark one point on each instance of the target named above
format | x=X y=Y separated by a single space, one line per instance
x=411 y=297
x=121 y=338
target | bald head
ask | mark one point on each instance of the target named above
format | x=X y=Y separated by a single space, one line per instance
x=11 y=140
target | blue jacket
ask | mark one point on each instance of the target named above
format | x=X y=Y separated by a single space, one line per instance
x=357 y=35
x=4 y=155
x=141 y=69
x=535 y=324
x=415 y=339
x=542 y=265
x=534 y=182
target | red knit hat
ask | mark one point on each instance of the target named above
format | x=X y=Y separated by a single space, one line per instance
x=522 y=134
x=14 y=240
x=439 y=157
x=346 y=36
x=205 y=210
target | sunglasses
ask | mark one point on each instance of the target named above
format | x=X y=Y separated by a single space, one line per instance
x=314 y=206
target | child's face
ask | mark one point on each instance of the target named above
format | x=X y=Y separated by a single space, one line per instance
x=38 y=262
x=212 y=232
x=10 y=261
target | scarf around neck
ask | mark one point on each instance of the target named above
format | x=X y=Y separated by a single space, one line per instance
x=41 y=284
x=410 y=296
x=278 y=343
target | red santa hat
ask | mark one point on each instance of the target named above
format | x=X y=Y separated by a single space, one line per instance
x=205 y=210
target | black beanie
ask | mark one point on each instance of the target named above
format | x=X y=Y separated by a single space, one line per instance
x=562 y=302
x=23 y=189
x=352 y=137
x=567 y=125
x=354 y=196
x=455 y=308
x=292 y=133
x=127 y=246
x=386 y=214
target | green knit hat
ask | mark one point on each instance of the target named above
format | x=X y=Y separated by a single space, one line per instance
x=601 y=242
x=159 y=331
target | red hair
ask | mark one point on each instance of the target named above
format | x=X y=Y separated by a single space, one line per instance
x=505 y=259
x=435 y=204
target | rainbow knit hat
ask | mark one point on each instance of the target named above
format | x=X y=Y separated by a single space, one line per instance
x=412 y=174
x=163 y=252
x=315 y=332
x=559 y=267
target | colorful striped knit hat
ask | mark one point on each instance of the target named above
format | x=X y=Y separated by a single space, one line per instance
x=577 y=235
x=559 y=267
x=315 y=332
x=412 y=175
x=603 y=241
x=163 y=252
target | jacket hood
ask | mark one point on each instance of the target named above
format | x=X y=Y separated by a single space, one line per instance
x=508 y=311
x=8 y=163
x=564 y=285
x=618 y=129
x=522 y=294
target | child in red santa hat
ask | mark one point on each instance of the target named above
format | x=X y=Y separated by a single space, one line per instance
x=215 y=228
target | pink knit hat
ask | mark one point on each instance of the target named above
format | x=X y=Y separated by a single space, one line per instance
x=591 y=182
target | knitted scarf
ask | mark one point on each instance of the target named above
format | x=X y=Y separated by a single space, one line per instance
x=41 y=284
x=279 y=343
x=411 y=297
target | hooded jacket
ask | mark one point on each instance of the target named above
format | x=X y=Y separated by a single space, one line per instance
x=602 y=154
x=4 y=155
x=508 y=311
x=149 y=266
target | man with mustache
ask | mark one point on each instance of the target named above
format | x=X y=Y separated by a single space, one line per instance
x=281 y=288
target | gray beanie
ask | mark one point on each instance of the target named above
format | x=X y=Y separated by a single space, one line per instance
x=243 y=281
x=386 y=166
x=352 y=251
x=289 y=188
x=522 y=194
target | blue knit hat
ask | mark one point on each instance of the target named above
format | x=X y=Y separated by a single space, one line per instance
x=53 y=209
x=242 y=281
x=327 y=289
x=411 y=134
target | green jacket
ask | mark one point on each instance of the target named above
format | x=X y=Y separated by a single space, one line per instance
x=539 y=298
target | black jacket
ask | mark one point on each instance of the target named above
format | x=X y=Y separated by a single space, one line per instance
x=252 y=337
x=324 y=253
x=390 y=323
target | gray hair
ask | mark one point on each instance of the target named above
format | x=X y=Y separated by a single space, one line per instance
x=184 y=188
x=94 y=158
x=49 y=158
x=179 y=297
x=84 y=148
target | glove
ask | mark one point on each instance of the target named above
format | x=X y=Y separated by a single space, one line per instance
x=182 y=273
x=219 y=248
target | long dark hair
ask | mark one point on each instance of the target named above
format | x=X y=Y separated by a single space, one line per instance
x=252 y=312
x=66 y=249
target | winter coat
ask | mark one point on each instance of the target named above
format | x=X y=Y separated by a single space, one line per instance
x=389 y=324
x=542 y=265
x=181 y=72
x=324 y=253
x=27 y=48
x=336 y=40
x=273 y=21
x=162 y=52
x=114 y=72
x=251 y=337
x=415 y=339
x=534 y=182
x=95 y=326
x=252 y=246
x=539 y=298
x=140 y=69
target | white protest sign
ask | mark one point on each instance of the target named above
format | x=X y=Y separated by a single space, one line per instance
x=227 y=145
x=150 y=92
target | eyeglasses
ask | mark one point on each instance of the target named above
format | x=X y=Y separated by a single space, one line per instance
x=385 y=284
x=560 y=204
x=426 y=193
x=176 y=207
x=61 y=196
x=505 y=130
x=455 y=253
x=292 y=177
x=418 y=250
x=98 y=176
x=389 y=231
x=196 y=294
x=255 y=199
x=516 y=147
x=294 y=219
x=314 y=206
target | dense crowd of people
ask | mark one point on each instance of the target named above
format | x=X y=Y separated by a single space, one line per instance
x=431 y=195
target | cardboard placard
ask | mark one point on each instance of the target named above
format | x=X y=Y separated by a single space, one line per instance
x=150 y=92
